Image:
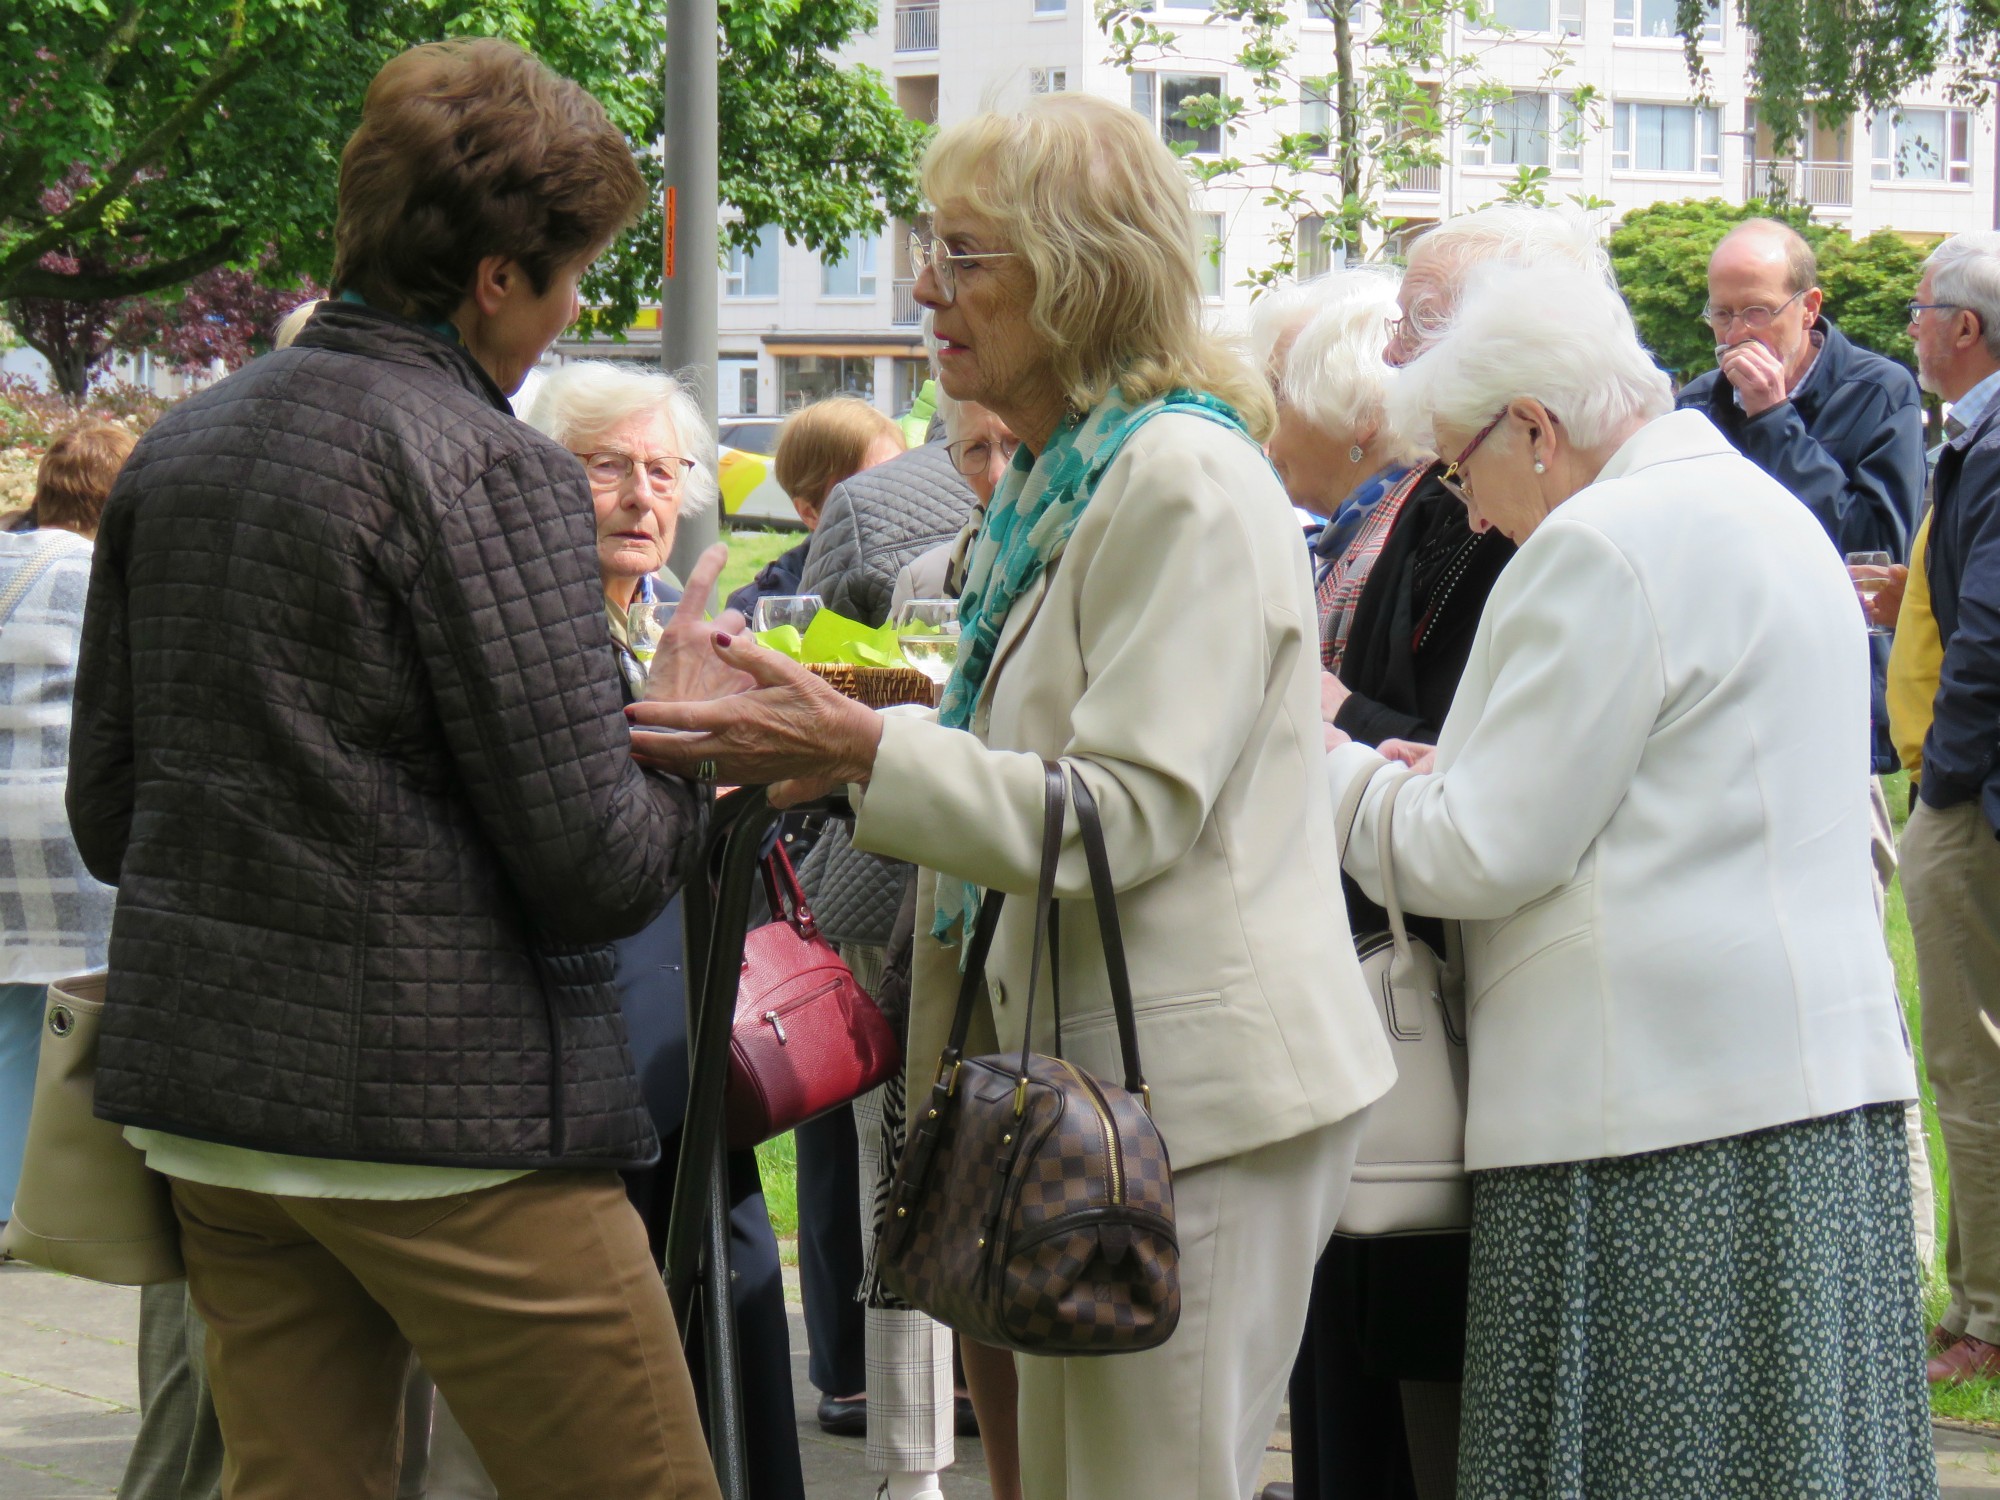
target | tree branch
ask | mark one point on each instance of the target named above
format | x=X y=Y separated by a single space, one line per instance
x=88 y=212
x=35 y=282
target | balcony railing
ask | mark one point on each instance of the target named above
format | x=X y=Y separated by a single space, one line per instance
x=904 y=312
x=917 y=27
x=1428 y=178
x=1823 y=184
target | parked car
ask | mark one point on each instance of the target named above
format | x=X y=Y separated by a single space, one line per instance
x=750 y=493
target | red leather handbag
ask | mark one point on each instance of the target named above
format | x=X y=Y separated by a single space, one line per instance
x=806 y=1038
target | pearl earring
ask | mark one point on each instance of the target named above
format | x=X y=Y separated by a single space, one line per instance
x=1540 y=467
x=1354 y=454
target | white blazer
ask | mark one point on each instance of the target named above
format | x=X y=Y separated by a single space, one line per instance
x=1651 y=804
x=1172 y=656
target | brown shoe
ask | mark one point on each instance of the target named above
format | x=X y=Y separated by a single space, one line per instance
x=1968 y=1359
x=1940 y=1339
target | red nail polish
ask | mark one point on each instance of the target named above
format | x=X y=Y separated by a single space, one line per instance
x=630 y=711
x=721 y=639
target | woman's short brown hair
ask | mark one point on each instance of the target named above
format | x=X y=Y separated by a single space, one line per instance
x=468 y=149
x=822 y=444
x=75 y=478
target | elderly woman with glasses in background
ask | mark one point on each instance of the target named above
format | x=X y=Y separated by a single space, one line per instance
x=1137 y=605
x=1649 y=808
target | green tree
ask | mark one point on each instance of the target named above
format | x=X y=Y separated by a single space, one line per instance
x=1397 y=90
x=197 y=133
x=1660 y=257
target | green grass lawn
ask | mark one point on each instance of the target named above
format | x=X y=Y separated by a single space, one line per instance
x=749 y=551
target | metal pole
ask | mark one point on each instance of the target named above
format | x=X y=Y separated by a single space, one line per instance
x=688 y=288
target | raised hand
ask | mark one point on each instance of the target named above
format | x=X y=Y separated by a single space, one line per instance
x=685 y=666
x=785 y=726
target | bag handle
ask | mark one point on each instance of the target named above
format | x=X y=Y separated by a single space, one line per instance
x=1105 y=898
x=787 y=897
x=1055 y=785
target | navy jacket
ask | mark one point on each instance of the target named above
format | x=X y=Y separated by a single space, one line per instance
x=1962 y=750
x=777 y=577
x=1850 y=445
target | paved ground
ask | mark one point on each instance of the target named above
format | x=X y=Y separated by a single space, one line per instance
x=68 y=1399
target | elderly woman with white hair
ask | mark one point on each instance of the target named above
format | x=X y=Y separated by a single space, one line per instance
x=650 y=458
x=1336 y=451
x=1137 y=606
x=1692 y=1262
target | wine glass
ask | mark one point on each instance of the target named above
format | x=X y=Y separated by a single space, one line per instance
x=1870 y=584
x=927 y=630
x=795 y=610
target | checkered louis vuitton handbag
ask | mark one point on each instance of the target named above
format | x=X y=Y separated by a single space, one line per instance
x=1034 y=1206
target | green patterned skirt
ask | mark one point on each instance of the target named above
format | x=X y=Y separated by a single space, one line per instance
x=1733 y=1320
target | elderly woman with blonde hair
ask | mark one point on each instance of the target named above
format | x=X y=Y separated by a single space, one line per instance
x=1649 y=807
x=1138 y=606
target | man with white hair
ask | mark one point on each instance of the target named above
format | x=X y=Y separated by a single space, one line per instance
x=1951 y=860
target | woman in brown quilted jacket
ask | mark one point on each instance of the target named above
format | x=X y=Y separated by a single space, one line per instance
x=348 y=743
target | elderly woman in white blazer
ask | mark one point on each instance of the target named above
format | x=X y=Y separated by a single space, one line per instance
x=1164 y=646
x=1692 y=1262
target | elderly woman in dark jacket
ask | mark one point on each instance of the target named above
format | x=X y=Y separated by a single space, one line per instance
x=347 y=740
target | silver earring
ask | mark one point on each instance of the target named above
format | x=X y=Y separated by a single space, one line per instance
x=1354 y=454
x=1540 y=467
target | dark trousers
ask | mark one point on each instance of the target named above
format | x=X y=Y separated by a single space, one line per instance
x=829 y=1157
x=652 y=990
x=1383 y=1312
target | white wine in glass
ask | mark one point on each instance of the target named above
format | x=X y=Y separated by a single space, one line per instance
x=927 y=630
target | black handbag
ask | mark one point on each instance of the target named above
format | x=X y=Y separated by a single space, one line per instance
x=1033 y=1208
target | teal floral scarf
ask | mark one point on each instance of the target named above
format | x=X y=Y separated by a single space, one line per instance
x=1037 y=506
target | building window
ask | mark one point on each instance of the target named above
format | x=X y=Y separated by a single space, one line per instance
x=1313 y=248
x=1316 y=119
x=1209 y=237
x=1922 y=145
x=752 y=271
x=1051 y=7
x=1558 y=17
x=805 y=378
x=1526 y=130
x=852 y=274
x=1161 y=98
x=1666 y=138
x=1659 y=20
x=1048 y=80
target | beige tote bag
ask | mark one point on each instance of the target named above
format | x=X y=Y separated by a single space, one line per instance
x=87 y=1205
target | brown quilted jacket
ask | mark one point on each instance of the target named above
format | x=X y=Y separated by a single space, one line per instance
x=348 y=740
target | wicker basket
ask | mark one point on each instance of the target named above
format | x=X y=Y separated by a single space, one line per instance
x=879 y=687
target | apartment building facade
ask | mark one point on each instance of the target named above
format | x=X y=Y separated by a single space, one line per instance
x=796 y=325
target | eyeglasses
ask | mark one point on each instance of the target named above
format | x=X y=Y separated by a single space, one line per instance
x=1756 y=319
x=1453 y=476
x=974 y=456
x=931 y=255
x=1914 y=308
x=609 y=469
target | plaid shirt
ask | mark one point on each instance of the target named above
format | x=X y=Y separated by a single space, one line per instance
x=54 y=919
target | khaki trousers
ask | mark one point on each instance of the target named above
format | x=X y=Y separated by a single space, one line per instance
x=535 y=1306
x=1923 y=1194
x=1951 y=880
x=1190 y=1419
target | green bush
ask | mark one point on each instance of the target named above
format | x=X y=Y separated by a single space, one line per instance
x=1660 y=257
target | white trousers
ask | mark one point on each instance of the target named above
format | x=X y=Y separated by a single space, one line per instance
x=1190 y=1419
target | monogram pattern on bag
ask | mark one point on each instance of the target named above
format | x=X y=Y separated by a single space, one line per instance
x=1105 y=1286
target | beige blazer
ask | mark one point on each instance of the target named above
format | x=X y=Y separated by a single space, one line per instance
x=1171 y=656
